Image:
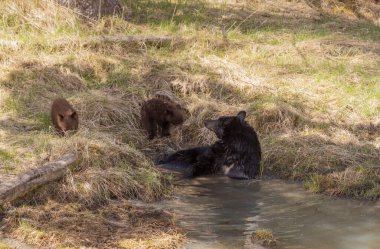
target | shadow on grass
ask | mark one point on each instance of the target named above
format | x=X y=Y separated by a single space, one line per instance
x=247 y=19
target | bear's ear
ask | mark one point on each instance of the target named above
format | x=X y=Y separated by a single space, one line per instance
x=60 y=116
x=241 y=116
x=169 y=112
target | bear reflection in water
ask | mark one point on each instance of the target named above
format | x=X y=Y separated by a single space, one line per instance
x=236 y=154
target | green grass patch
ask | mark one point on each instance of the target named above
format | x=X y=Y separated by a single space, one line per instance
x=4 y=246
x=11 y=104
x=6 y=155
x=44 y=120
x=319 y=183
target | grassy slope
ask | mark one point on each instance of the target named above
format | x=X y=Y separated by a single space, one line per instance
x=309 y=83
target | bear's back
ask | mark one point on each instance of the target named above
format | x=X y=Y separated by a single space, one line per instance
x=246 y=141
x=158 y=109
x=155 y=109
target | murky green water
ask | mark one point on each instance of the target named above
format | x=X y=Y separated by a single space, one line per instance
x=219 y=212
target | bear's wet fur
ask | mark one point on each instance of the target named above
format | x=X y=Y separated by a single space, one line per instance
x=63 y=116
x=236 y=154
x=161 y=114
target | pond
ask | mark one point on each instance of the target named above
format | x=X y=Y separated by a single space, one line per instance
x=218 y=212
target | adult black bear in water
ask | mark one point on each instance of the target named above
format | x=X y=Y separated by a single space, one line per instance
x=236 y=154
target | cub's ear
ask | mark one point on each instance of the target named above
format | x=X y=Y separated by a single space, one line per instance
x=60 y=116
x=241 y=115
x=74 y=115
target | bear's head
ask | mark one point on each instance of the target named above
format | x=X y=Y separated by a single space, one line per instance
x=226 y=124
x=68 y=120
x=176 y=115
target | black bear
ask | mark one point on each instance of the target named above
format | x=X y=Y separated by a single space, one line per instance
x=158 y=113
x=63 y=116
x=236 y=154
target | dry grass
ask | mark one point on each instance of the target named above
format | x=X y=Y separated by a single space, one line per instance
x=263 y=233
x=353 y=9
x=161 y=241
x=4 y=246
x=309 y=83
x=68 y=225
x=263 y=237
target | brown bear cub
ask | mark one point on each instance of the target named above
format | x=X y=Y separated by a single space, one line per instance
x=63 y=116
x=159 y=114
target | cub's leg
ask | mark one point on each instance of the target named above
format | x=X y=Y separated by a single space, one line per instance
x=165 y=131
x=152 y=129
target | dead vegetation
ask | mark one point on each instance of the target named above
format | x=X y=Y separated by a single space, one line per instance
x=355 y=9
x=69 y=225
x=263 y=237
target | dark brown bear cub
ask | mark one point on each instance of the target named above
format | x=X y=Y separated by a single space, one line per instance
x=63 y=116
x=159 y=114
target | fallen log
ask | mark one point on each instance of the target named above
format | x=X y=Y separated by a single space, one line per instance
x=23 y=183
x=148 y=40
x=130 y=39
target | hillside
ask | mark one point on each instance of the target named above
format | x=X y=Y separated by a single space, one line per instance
x=308 y=79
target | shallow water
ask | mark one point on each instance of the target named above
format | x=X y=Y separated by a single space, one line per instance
x=218 y=212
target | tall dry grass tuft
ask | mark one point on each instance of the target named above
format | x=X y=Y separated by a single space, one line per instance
x=108 y=109
x=354 y=9
x=44 y=15
x=358 y=182
x=275 y=117
x=313 y=153
x=108 y=169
